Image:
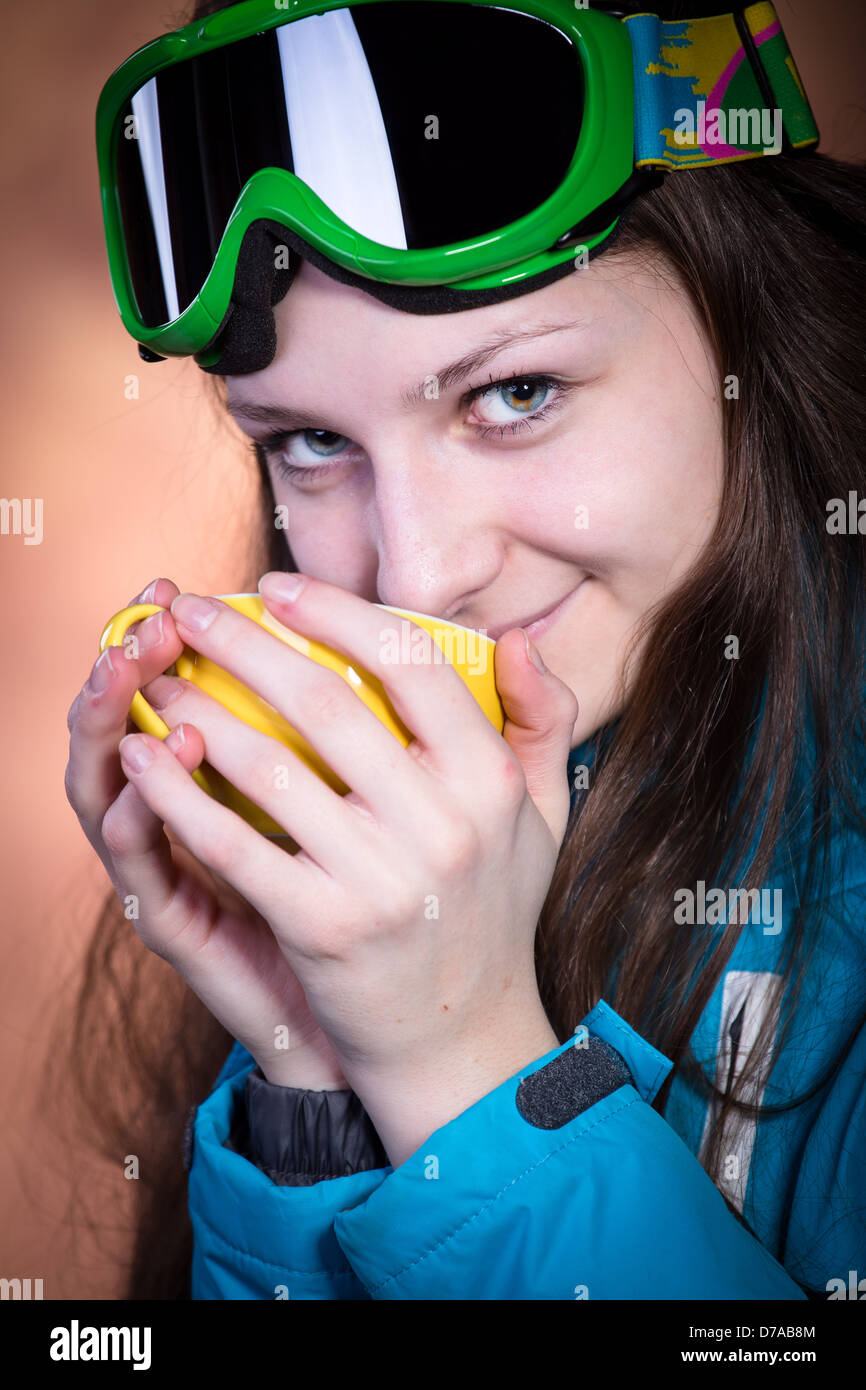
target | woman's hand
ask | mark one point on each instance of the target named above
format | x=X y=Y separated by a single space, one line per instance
x=409 y=914
x=219 y=944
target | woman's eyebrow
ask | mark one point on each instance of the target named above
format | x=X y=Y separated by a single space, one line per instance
x=287 y=418
x=472 y=362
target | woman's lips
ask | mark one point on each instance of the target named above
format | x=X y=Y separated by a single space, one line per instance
x=535 y=627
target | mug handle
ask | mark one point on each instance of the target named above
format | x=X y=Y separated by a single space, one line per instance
x=140 y=712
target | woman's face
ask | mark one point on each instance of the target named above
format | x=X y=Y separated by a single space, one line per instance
x=583 y=476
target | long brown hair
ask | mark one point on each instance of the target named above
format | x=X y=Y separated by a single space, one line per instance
x=714 y=764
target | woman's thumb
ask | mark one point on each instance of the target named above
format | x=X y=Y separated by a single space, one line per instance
x=540 y=712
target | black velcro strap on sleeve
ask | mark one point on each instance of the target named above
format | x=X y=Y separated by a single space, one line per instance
x=556 y=1094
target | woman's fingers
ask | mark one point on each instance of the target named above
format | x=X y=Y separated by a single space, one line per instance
x=205 y=930
x=161 y=591
x=263 y=874
x=439 y=710
x=540 y=714
x=97 y=719
x=332 y=830
x=139 y=857
x=323 y=707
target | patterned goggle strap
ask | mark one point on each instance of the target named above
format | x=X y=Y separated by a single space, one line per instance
x=710 y=91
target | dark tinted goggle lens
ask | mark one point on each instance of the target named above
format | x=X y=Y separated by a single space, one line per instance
x=418 y=123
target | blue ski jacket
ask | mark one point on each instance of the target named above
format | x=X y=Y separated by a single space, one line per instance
x=564 y=1182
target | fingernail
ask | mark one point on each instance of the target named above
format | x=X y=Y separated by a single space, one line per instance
x=150 y=632
x=194 y=612
x=534 y=655
x=149 y=593
x=102 y=673
x=176 y=739
x=135 y=752
x=279 y=585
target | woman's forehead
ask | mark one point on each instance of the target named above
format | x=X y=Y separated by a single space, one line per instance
x=326 y=325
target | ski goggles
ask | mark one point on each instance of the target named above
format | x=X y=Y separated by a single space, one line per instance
x=461 y=147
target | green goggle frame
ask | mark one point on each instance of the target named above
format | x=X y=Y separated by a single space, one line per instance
x=657 y=96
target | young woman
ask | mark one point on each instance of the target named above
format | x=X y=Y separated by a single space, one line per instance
x=623 y=1055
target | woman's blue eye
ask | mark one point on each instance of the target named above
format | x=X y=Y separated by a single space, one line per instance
x=322 y=443
x=518 y=402
x=522 y=396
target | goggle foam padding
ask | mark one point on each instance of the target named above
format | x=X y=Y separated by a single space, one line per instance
x=247 y=335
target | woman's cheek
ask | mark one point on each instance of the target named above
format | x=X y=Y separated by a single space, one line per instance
x=326 y=542
x=645 y=489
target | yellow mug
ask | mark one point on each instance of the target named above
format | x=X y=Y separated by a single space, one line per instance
x=468 y=651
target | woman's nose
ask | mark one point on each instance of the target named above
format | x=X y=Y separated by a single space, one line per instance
x=430 y=541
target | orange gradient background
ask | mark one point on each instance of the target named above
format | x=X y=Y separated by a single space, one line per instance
x=131 y=488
